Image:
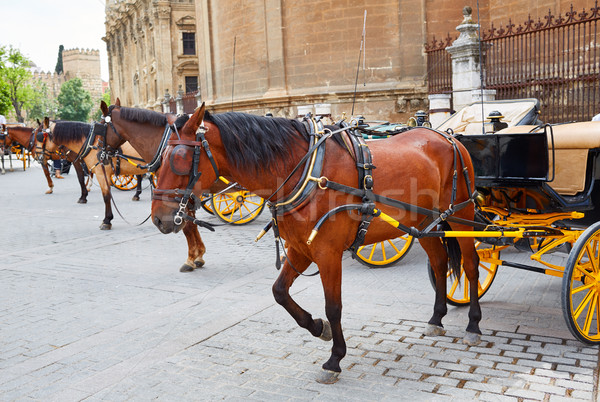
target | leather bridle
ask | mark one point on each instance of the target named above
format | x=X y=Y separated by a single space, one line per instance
x=107 y=151
x=178 y=159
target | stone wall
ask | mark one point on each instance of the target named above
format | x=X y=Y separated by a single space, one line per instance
x=77 y=63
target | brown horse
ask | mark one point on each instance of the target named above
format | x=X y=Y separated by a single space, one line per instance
x=73 y=137
x=144 y=130
x=259 y=152
x=25 y=136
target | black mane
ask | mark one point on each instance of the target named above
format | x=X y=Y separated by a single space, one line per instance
x=143 y=116
x=254 y=142
x=70 y=131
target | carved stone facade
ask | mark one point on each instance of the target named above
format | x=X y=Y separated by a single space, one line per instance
x=146 y=55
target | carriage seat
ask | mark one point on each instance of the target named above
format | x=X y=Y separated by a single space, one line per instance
x=572 y=143
x=469 y=119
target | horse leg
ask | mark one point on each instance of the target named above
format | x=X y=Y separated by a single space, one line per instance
x=106 y=195
x=10 y=161
x=281 y=287
x=2 y=158
x=47 y=174
x=331 y=278
x=471 y=267
x=81 y=178
x=138 y=189
x=438 y=258
x=196 y=248
x=294 y=265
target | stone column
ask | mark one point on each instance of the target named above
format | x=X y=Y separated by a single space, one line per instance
x=439 y=109
x=166 y=101
x=179 y=100
x=466 y=63
x=198 y=97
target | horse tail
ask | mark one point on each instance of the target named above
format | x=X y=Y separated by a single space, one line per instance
x=454 y=254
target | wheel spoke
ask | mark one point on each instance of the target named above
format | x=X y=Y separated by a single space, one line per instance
x=586 y=300
x=394 y=246
x=590 y=315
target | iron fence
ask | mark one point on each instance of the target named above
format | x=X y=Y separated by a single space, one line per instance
x=555 y=59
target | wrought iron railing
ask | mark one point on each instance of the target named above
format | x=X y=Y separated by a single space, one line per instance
x=555 y=59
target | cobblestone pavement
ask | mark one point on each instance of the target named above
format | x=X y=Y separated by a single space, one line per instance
x=107 y=316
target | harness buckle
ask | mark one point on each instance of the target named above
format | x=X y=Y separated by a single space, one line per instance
x=368 y=182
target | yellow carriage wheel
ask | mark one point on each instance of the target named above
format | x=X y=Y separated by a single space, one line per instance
x=237 y=207
x=580 y=294
x=124 y=182
x=385 y=253
x=457 y=289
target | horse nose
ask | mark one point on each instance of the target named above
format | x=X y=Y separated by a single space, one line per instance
x=161 y=225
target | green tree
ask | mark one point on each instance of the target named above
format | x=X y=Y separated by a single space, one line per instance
x=59 y=63
x=5 y=105
x=97 y=115
x=74 y=102
x=42 y=105
x=14 y=79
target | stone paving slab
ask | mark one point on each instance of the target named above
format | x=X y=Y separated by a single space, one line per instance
x=106 y=316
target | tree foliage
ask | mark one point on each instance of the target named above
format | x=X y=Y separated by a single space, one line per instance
x=74 y=102
x=97 y=114
x=59 y=62
x=42 y=105
x=14 y=80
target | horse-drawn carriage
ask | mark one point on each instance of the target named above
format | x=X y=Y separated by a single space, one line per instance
x=538 y=189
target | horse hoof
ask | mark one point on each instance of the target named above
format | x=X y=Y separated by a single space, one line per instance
x=472 y=339
x=106 y=226
x=186 y=268
x=199 y=262
x=81 y=201
x=326 y=333
x=328 y=377
x=135 y=198
x=434 y=330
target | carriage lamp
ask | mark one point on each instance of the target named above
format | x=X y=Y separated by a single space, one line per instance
x=419 y=120
x=494 y=118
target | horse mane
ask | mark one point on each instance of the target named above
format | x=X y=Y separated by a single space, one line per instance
x=142 y=116
x=70 y=131
x=254 y=142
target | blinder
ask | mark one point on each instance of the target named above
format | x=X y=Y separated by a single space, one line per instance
x=181 y=160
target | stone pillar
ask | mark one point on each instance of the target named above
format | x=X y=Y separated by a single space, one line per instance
x=179 y=100
x=466 y=65
x=198 y=97
x=486 y=95
x=165 y=102
x=439 y=109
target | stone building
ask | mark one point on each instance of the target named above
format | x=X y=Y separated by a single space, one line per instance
x=77 y=63
x=285 y=57
x=151 y=48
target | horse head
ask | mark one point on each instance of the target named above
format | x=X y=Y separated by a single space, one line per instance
x=187 y=167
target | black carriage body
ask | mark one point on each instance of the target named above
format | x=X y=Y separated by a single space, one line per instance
x=513 y=171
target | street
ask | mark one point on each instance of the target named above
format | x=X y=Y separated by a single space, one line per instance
x=107 y=316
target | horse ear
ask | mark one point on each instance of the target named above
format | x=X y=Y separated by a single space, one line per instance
x=39 y=122
x=46 y=122
x=197 y=117
x=104 y=108
x=118 y=102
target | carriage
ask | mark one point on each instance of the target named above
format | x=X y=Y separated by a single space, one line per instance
x=539 y=190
